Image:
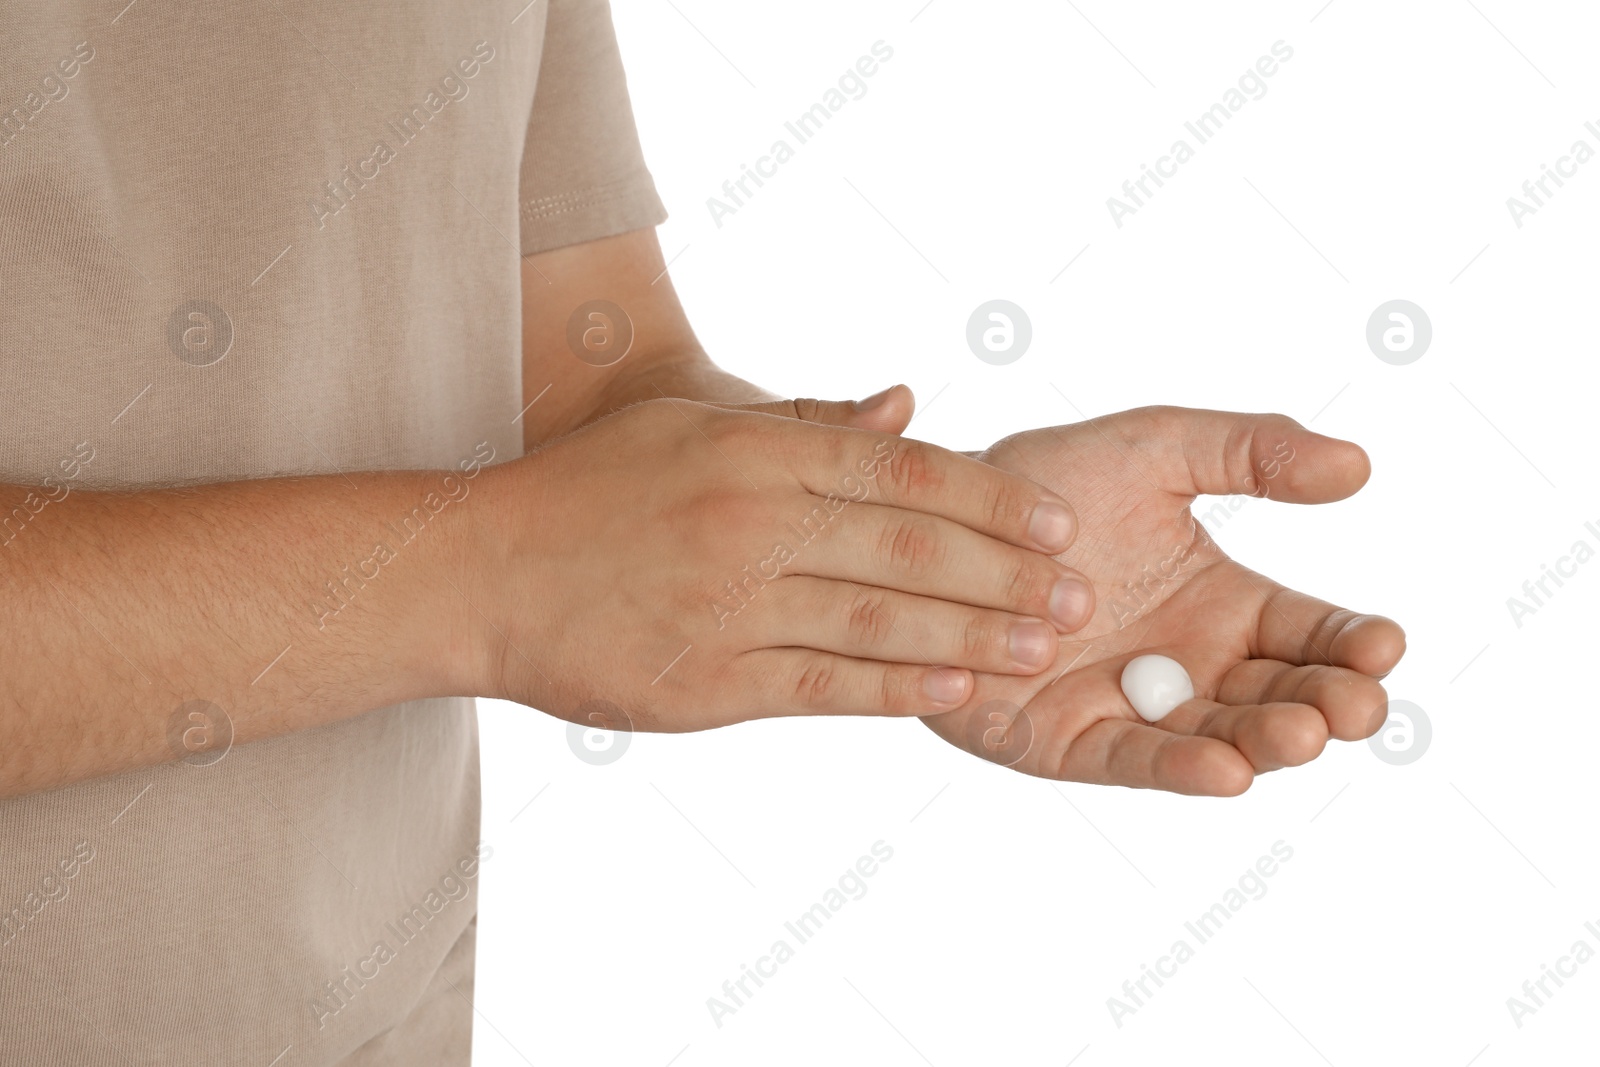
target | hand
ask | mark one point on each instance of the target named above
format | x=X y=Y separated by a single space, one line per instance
x=1275 y=672
x=678 y=566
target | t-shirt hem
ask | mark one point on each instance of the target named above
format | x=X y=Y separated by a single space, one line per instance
x=588 y=214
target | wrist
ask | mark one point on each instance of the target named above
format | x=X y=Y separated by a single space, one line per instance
x=491 y=563
x=448 y=515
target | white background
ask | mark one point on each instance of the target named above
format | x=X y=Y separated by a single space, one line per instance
x=1377 y=166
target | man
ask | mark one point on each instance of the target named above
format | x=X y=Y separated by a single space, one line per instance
x=290 y=291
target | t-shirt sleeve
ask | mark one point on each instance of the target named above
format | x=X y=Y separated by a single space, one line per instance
x=583 y=172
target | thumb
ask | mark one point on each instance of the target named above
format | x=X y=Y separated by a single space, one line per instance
x=887 y=412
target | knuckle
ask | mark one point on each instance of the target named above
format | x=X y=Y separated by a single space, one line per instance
x=725 y=429
x=1141 y=425
x=1025 y=586
x=655 y=408
x=816 y=683
x=914 y=471
x=650 y=423
x=665 y=416
x=868 y=622
x=1239 y=468
x=807 y=409
x=977 y=639
x=1003 y=506
x=718 y=510
x=891 y=689
x=910 y=547
x=1313 y=684
x=1266 y=451
x=1318 y=646
x=1276 y=422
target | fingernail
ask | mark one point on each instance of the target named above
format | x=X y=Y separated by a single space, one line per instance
x=1032 y=643
x=1051 y=526
x=1069 y=603
x=945 y=687
x=875 y=400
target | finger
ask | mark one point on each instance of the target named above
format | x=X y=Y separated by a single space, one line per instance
x=799 y=681
x=1350 y=702
x=1271 y=736
x=871 y=544
x=887 y=412
x=1119 y=752
x=920 y=477
x=1300 y=629
x=868 y=622
x=1195 y=452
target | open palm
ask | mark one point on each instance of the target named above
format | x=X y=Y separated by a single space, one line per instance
x=1275 y=672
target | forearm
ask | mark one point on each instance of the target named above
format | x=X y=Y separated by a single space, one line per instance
x=285 y=603
x=561 y=391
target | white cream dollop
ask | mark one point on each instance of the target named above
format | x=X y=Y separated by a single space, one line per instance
x=1154 y=685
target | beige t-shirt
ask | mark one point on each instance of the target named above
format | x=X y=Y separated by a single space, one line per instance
x=240 y=241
